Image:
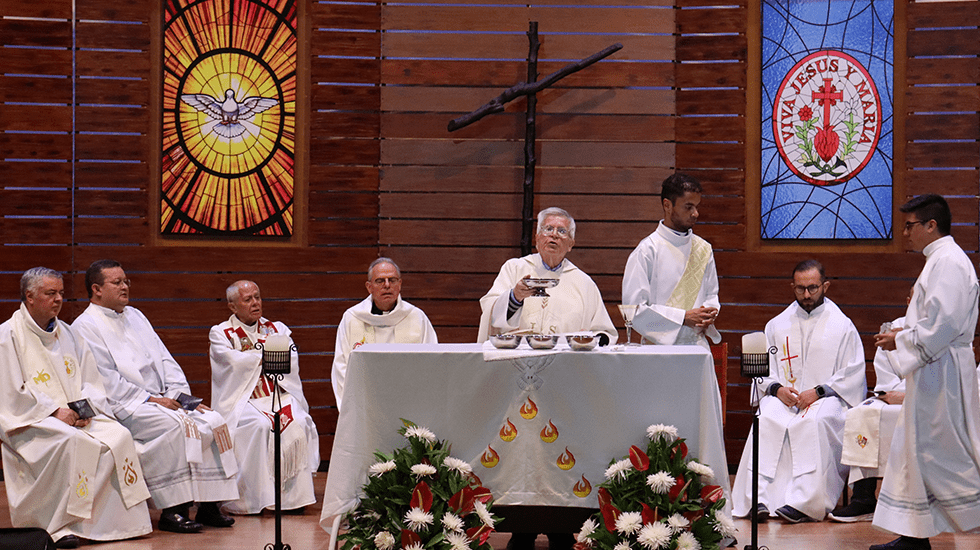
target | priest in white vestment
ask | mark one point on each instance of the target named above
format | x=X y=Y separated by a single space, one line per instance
x=868 y=430
x=575 y=305
x=817 y=373
x=245 y=398
x=187 y=455
x=932 y=479
x=381 y=318
x=671 y=274
x=76 y=478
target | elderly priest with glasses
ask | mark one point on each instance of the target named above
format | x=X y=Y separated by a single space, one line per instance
x=574 y=305
x=381 y=318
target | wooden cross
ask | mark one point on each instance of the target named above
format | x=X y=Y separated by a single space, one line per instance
x=529 y=89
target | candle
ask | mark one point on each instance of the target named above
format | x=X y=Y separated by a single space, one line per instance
x=754 y=342
x=277 y=342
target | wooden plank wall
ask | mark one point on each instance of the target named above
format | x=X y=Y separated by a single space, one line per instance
x=77 y=161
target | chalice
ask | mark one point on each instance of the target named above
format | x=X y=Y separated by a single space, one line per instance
x=628 y=311
x=539 y=285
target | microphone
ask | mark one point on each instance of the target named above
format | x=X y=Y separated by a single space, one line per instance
x=275 y=355
x=755 y=356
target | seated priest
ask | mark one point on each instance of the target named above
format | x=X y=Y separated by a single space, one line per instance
x=816 y=375
x=68 y=466
x=574 y=305
x=382 y=318
x=244 y=397
x=185 y=447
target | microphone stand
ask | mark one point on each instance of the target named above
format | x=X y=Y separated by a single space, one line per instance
x=756 y=367
x=275 y=367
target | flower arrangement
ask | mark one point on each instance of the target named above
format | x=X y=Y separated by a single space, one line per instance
x=657 y=498
x=420 y=497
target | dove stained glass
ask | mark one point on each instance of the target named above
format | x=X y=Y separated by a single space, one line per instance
x=229 y=117
x=827 y=119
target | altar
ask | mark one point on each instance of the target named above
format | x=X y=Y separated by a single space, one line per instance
x=538 y=430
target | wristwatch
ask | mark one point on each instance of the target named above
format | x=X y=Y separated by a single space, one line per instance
x=821 y=391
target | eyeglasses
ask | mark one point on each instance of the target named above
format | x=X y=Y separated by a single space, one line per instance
x=552 y=230
x=812 y=289
x=391 y=280
x=910 y=225
x=120 y=282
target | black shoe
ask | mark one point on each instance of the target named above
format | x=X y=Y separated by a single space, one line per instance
x=761 y=513
x=68 y=541
x=857 y=510
x=176 y=523
x=792 y=515
x=209 y=514
x=903 y=543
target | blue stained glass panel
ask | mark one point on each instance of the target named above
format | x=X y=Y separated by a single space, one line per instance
x=827 y=119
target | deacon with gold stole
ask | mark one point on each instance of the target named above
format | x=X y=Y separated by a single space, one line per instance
x=244 y=397
x=69 y=467
x=671 y=274
x=574 y=305
x=381 y=318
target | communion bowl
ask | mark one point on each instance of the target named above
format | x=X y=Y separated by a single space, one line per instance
x=542 y=341
x=505 y=341
x=583 y=342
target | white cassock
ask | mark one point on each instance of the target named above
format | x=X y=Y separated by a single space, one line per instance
x=932 y=480
x=86 y=481
x=665 y=280
x=404 y=324
x=869 y=427
x=575 y=305
x=186 y=455
x=799 y=451
x=244 y=397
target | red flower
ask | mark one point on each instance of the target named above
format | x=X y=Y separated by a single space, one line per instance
x=482 y=533
x=421 y=497
x=683 y=449
x=649 y=516
x=609 y=512
x=639 y=459
x=409 y=538
x=806 y=113
x=711 y=493
x=677 y=488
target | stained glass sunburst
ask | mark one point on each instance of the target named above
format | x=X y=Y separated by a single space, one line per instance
x=229 y=117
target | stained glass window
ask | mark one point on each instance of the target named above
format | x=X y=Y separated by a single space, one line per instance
x=827 y=119
x=229 y=117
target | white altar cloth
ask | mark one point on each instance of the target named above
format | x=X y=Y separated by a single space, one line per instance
x=600 y=402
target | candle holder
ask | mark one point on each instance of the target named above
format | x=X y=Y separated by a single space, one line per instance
x=275 y=366
x=756 y=367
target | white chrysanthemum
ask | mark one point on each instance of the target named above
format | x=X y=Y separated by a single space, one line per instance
x=700 y=469
x=460 y=466
x=452 y=522
x=379 y=468
x=661 y=482
x=418 y=520
x=423 y=470
x=420 y=433
x=677 y=523
x=457 y=540
x=656 y=430
x=628 y=523
x=687 y=541
x=588 y=528
x=483 y=513
x=414 y=546
x=622 y=545
x=654 y=535
x=384 y=540
x=619 y=469
x=724 y=524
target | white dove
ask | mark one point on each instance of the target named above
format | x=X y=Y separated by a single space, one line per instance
x=228 y=115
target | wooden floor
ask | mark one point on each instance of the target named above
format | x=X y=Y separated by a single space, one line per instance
x=304 y=533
